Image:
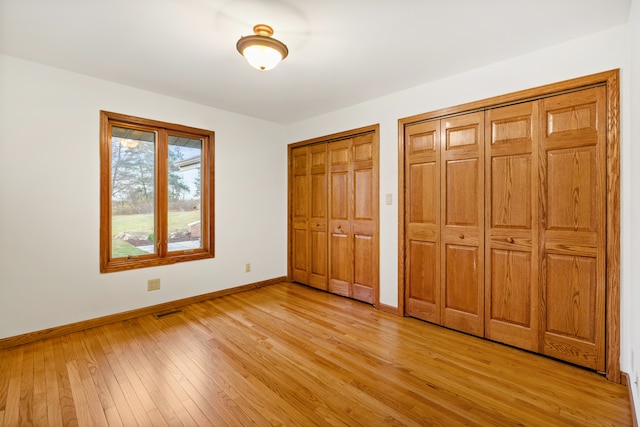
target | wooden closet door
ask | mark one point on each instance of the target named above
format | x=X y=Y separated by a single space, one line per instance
x=511 y=225
x=422 y=234
x=299 y=256
x=462 y=171
x=572 y=224
x=340 y=241
x=318 y=217
x=363 y=215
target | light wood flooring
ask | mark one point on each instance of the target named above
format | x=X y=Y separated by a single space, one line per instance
x=289 y=355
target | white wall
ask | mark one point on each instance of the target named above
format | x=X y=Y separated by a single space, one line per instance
x=599 y=52
x=49 y=200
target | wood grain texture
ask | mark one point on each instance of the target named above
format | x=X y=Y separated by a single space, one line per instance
x=511 y=225
x=290 y=355
x=118 y=317
x=613 y=227
x=338 y=185
x=563 y=241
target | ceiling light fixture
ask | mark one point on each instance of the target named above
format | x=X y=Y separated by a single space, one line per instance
x=129 y=143
x=261 y=50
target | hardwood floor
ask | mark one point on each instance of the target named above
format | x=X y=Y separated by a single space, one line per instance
x=290 y=355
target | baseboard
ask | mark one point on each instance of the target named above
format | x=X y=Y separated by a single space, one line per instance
x=389 y=309
x=626 y=380
x=101 y=321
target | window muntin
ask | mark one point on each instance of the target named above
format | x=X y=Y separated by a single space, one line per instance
x=156 y=193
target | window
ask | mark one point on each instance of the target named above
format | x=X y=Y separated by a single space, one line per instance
x=156 y=193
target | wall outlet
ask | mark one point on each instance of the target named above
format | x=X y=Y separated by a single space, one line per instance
x=153 y=284
x=247 y=267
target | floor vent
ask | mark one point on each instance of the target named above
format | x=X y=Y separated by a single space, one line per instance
x=168 y=313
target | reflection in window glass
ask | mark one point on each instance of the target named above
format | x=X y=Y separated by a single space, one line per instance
x=184 y=195
x=132 y=192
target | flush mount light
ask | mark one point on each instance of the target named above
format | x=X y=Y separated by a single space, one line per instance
x=129 y=143
x=261 y=50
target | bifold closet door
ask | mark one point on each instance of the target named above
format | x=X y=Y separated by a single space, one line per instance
x=422 y=235
x=318 y=243
x=300 y=214
x=462 y=187
x=573 y=226
x=353 y=207
x=512 y=301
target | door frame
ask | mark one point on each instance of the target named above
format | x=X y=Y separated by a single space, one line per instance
x=610 y=79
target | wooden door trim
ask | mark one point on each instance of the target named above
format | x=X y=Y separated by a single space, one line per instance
x=611 y=79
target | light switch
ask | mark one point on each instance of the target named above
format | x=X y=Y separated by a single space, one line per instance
x=389 y=198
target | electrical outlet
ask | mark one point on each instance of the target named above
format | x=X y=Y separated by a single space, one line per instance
x=247 y=267
x=153 y=284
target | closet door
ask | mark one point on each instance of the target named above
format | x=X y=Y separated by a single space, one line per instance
x=340 y=241
x=462 y=186
x=299 y=179
x=572 y=225
x=422 y=234
x=318 y=217
x=353 y=218
x=511 y=224
x=363 y=215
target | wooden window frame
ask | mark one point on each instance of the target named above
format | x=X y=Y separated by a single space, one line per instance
x=162 y=256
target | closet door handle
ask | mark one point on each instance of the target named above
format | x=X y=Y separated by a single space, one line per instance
x=461 y=236
x=510 y=239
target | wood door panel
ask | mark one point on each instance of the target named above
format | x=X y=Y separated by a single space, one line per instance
x=340 y=271
x=512 y=302
x=299 y=160
x=511 y=287
x=299 y=241
x=462 y=223
x=364 y=279
x=318 y=259
x=462 y=278
x=300 y=196
x=573 y=115
x=571 y=289
x=462 y=189
x=463 y=301
x=318 y=221
x=353 y=211
x=363 y=148
x=339 y=155
x=319 y=196
x=339 y=195
x=572 y=189
x=300 y=255
x=422 y=242
x=423 y=284
x=422 y=139
x=511 y=191
x=510 y=127
x=573 y=236
x=574 y=308
x=318 y=160
x=363 y=197
x=423 y=196
x=462 y=136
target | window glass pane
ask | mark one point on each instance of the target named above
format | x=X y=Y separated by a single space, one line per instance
x=133 y=192
x=184 y=195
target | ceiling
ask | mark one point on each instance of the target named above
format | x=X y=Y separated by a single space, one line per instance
x=341 y=52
